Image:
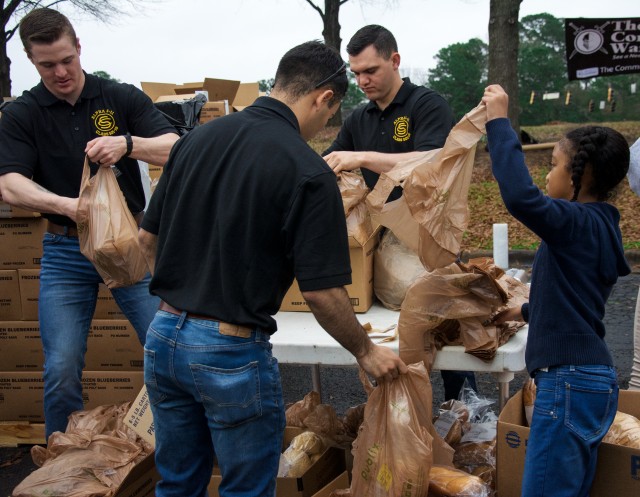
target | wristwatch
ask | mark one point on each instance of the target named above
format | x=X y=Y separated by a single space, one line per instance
x=129 y=144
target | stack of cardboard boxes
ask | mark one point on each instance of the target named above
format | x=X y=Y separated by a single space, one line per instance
x=114 y=360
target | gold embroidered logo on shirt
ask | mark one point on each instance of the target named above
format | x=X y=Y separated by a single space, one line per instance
x=104 y=122
x=401 y=129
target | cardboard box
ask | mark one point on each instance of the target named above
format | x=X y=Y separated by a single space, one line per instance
x=223 y=95
x=360 y=290
x=9 y=211
x=20 y=346
x=106 y=307
x=21 y=243
x=21 y=393
x=618 y=469
x=338 y=483
x=29 y=292
x=10 y=306
x=312 y=483
x=141 y=480
x=113 y=345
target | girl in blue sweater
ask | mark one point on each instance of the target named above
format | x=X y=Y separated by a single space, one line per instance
x=579 y=260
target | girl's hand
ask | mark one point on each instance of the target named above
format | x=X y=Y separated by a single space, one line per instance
x=511 y=314
x=497 y=102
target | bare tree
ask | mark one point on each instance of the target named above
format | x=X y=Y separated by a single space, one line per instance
x=331 y=34
x=13 y=10
x=503 y=51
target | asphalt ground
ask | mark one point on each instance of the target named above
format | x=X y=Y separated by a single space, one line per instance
x=342 y=389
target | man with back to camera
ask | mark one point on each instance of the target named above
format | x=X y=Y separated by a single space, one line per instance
x=400 y=121
x=243 y=206
x=44 y=136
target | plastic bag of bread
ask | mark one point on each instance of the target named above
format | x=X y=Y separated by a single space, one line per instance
x=393 y=452
x=293 y=463
x=450 y=482
x=302 y=452
x=529 y=399
x=297 y=412
x=452 y=420
x=308 y=442
x=395 y=268
x=625 y=430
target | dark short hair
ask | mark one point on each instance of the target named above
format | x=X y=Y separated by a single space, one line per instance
x=303 y=67
x=44 y=26
x=381 y=38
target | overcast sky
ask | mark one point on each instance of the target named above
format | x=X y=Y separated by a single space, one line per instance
x=180 y=41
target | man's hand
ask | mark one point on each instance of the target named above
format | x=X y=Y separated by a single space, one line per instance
x=382 y=363
x=106 y=150
x=497 y=102
x=344 y=161
x=333 y=311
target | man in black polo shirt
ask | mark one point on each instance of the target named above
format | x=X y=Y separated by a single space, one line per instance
x=243 y=206
x=44 y=136
x=400 y=121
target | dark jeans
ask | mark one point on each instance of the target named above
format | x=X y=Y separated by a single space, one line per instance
x=454 y=380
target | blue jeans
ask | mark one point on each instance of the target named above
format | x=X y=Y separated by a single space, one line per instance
x=68 y=294
x=454 y=381
x=213 y=394
x=574 y=408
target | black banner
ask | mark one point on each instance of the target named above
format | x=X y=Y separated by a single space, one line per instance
x=602 y=47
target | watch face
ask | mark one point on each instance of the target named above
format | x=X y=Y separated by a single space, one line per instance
x=588 y=41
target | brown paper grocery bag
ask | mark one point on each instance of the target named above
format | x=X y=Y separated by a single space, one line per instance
x=107 y=231
x=431 y=215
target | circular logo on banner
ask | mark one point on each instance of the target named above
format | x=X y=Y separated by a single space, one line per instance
x=401 y=129
x=104 y=122
x=588 y=41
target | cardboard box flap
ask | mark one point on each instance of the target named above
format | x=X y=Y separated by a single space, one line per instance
x=174 y=98
x=155 y=90
x=221 y=89
x=353 y=243
x=247 y=94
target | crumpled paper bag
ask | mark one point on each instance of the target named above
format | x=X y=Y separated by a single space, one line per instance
x=431 y=215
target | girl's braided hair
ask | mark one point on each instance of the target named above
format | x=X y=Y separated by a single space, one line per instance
x=605 y=150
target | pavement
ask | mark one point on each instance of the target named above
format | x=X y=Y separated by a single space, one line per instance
x=342 y=389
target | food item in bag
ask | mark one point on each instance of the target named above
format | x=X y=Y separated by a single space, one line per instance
x=450 y=482
x=308 y=442
x=293 y=463
x=625 y=430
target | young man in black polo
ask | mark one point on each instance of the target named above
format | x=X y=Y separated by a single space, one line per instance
x=44 y=136
x=400 y=120
x=243 y=206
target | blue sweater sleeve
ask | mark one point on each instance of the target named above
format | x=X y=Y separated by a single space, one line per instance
x=552 y=220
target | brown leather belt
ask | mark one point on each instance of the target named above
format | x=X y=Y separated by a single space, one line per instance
x=225 y=328
x=59 y=229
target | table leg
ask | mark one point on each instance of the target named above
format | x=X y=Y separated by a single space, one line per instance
x=503 y=388
x=315 y=379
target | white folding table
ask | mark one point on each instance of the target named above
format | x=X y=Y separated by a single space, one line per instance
x=301 y=340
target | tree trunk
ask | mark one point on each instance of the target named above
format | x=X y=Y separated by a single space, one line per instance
x=503 y=52
x=5 y=64
x=331 y=34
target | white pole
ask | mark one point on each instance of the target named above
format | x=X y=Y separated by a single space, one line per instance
x=501 y=246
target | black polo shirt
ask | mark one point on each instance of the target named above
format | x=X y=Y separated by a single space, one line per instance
x=43 y=138
x=242 y=206
x=417 y=119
